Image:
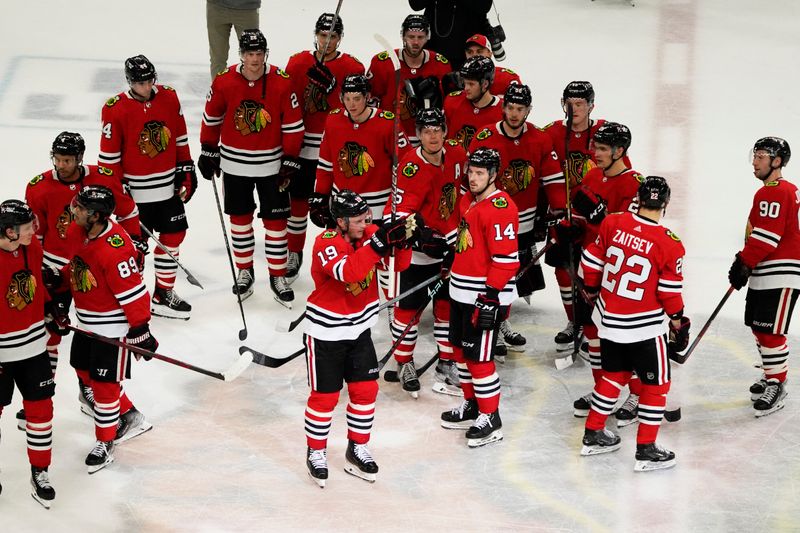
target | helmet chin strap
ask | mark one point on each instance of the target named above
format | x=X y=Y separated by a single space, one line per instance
x=490 y=182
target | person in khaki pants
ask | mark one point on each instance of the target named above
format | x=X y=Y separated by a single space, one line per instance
x=221 y=15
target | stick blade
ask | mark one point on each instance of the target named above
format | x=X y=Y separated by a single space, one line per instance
x=388 y=47
x=242 y=334
x=193 y=280
x=238 y=366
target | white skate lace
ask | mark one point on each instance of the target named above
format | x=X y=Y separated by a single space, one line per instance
x=569 y=330
x=483 y=420
x=771 y=392
x=173 y=300
x=293 y=262
x=506 y=330
x=460 y=410
x=631 y=403
x=318 y=458
x=281 y=285
x=88 y=394
x=99 y=449
x=361 y=451
x=244 y=278
x=43 y=479
x=408 y=372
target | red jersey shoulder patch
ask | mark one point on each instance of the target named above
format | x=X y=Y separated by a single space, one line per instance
x=499 y=202
x=329 y=234
x=441 y=59
x=388 y=115
x=410 y=169
x=111 y=102
x=484 y=134
x=116 y=241
x=36 y=179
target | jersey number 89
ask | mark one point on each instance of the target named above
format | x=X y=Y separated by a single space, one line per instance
x=126 y=268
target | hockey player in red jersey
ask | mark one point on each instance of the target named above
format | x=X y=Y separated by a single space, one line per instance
x=769 y=264
x=252 y=132
x=482 y=287
x=316 y=75
x=144 y=142
x=478 y=45
x=634 y=269
x=110 y=300
x=429 y=182
x=23 y=339
x=421 y=71
x=340 y=312
x=468 y=110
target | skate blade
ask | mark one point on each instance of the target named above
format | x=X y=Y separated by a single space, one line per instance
x=44 y=503
x=466 y=424
x=443 y=388
x=564 y=347
x=515 y=349
x=96 y=468
x=320 y=482
x=144 y=427
x=166 y=312
x=777 y=407
x=391 y=376
x=623 y=423
x=649 y=466
x=413 y=393
x=87 y=410
x=287 y=305
x=355 y=471
x=246 y=294
x=598 y=450
x=496 y=436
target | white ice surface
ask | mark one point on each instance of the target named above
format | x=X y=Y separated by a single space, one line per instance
x=696 y=81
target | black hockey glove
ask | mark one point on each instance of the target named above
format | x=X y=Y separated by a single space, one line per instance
x=51 y=278
x=208 y=162
x=322 y=77
x=320 y=210
x=739 y=273
x=56 y=317
x=141 y=246
x=290 y=168
x=589 y=205
x=389 y=235
x=487 y=307
x=679 y=336
x=447 y=263
x=141 y=337
x=452 y=82
x=567 y=233
x=427 y=92
x=185 y=180
x=432 y=243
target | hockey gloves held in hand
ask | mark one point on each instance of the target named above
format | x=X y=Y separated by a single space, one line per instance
x=452 y=82
x=56 y=317
x=678 y=339
x=589 y=205
x=487 y=307
x=390 y=235
x=739 y=273
x=185 y=180
x=567 y=232
x=52 y=278
x=290 y=167
x=208 y=162
x=141 y=246
x=319 y=209
x=432 y=243
x=322 y=77
x=141 y=337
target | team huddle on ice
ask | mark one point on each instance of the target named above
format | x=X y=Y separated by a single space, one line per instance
x=427 y=183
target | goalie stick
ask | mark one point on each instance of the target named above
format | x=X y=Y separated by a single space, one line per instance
x=189 y=276
x=231 y=373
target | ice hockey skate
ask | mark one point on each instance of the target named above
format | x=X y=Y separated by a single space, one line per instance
x=42 y=491
x=500 y=350
x=101 y=456
x=771 y=400
x=485 y=430
x=244 y=283
x=653 y=457
x=600 y=441
x=360 y=462
x=514 y=340
x=317 y=463
x=408 y=378
x=445 y=378
x=166 y=303
x=672 y=415
x=131 y=424
x=21 y=420
x=293 y=265
x=581 y=406
x=86 y=399
x=565 y=338
x=461 y=417
x=282 y=293
x=629 y=412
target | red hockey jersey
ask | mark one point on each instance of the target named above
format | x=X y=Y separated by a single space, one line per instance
x=255 y=123
x=464 y=120
x=108 y=289
x=638 y=265
x=381 y=75
x=316 y=104
x=526 y=162
x=503 y=77
x=772 y=245
x=142 y=142
x=22 y=331
x=359 y=156
x=49 y=198
x=344 y=301
x=619 y=192
x=486 y=249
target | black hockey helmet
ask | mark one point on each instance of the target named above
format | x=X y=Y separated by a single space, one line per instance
x=346 y=204
x=614 y=135
x=252 y=41
x=416 y=22
x=654 y=193
x=13 y=214
x=485 y=157
x=69 y=143
x=431 y=117
x=355 y=83
x=325 y=21
x=775 y=147
x=478 y=68
x=139 y=68
x=579 y=89
x=518 y=94
x=96 y=199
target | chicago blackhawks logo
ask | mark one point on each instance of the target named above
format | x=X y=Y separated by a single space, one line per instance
x=577 y=166
x=358 y=287
x=250 y=117
x=21 y=290
x=63 y=221
x=115 y=241
x=464 y=238
x=517 y=176
x=410 y=169
x=354 y=160
x=485 y=133
x=36 y=179
x=447 y=201
x=314 y=100
x=80 y=277
x=500 y=202
x=465 y=135
x=154 y=138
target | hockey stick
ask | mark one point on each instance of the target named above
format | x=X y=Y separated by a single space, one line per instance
x=535 y=258
x=577 y=286
x=231 y=373
x=285 y=327
x=243 y=331
x=269 y=361
x=682 y=358
x=570 y=245
x=330 y=31
x=189 y=277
